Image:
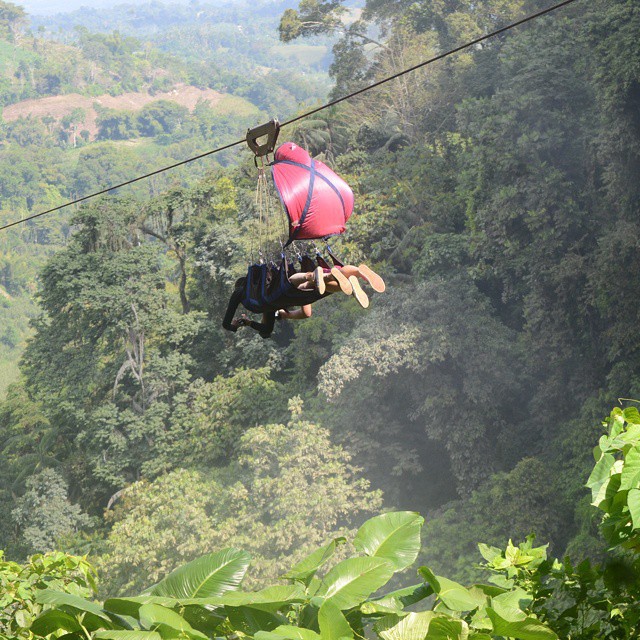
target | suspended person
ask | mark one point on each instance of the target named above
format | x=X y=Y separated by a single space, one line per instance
x=320 y=279
x=318 y=204
x=301 y=281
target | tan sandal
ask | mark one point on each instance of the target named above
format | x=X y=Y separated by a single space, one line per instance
x=318 y=276
x=342 y=280
x=358 y=292
x=376 y=282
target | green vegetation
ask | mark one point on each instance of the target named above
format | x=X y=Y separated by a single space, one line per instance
x=20 y=585
x=66 y=153
x=497 y=194
x=529 y=596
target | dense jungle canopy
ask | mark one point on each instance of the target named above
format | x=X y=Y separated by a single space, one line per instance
x=497 y=192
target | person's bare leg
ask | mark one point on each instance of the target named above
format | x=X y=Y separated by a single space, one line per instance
x=310 y=280
x=333 y=282
x=302 y=313
x=298 y=279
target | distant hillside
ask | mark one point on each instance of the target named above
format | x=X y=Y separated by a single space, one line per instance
x=50 y=7
x=57 y=107
x=99 y=95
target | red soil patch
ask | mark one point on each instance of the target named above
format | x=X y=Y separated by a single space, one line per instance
x=60 y=106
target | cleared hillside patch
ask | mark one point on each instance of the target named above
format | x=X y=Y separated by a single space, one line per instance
x=60 y=106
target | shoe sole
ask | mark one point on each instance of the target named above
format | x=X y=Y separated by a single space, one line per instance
x=318 y=276
x=376 y=282
x=358 y=292
x=343 y=282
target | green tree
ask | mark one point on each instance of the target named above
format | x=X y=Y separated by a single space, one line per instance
x=12 y=19
x=44 y=514
x=20 y=584
x=116 y=125
x=289 y=490
x=161 y=116
x=441 y=354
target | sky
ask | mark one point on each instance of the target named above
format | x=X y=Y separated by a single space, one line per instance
x=47 y=7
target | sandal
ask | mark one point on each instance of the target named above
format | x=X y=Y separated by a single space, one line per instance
x=318 y=276
x=376 y=282
x=358 y=292
x=342 y=280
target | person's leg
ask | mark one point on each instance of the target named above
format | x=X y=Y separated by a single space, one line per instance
x=298 y=279
x=302 y=313
x=331 y=281
x=310 y=280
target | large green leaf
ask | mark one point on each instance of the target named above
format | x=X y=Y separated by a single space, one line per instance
x=487 y=589
x=510 y=605
x=600 y=474
x=409 y=595
x=526 y=629
x=288 y=632
x=454 y=596
x=59 y=598
x=413 y=626
x=394 y=537
x=306 y=569
x=632 y=415
x=489 y=553
x=608 y=491
x=250 y=620
x=352 y=581
x=333 y=624
x=156 y=618
x=630 y=478
x=381 y=607
x=131 y=606
x=210 y=575
x=127 y=635
x=445 y=628
x=633 y=502
x=268 y=599
x=54 y=620
x=203 y=618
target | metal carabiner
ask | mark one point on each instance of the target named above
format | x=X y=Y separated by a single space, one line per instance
x=270 y=129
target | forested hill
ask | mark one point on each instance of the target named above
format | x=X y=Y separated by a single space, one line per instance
x=496 y=192
x=91 y=98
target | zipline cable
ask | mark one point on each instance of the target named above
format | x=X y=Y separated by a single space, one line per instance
x=512 y=25
x=429 y=61
x=122 y=184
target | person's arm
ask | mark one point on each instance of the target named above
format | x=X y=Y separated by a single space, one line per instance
x=234 y=301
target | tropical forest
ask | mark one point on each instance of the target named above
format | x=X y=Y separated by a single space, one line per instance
x=447 y=447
